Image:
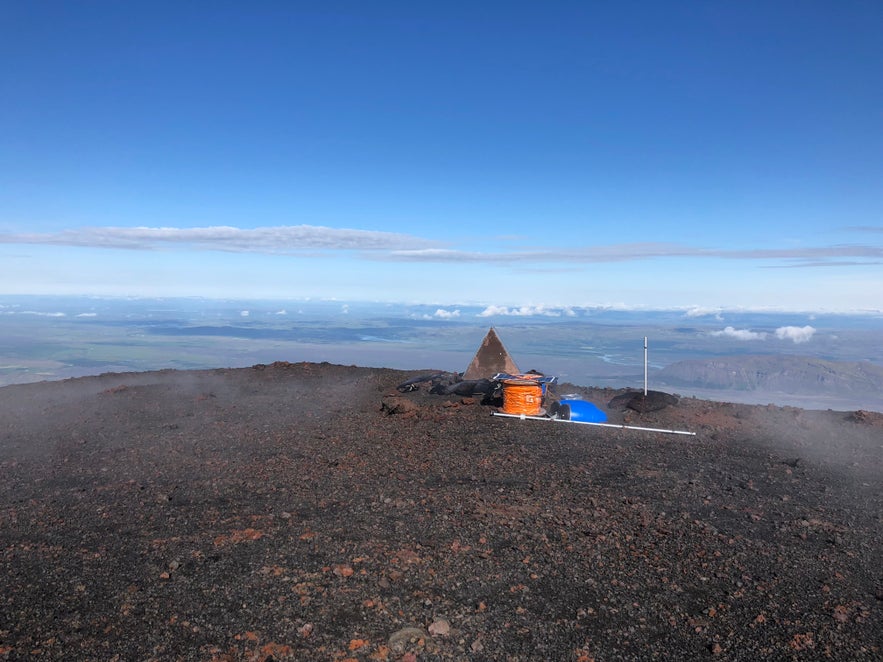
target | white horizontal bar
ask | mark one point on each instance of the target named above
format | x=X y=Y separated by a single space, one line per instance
x=600 y=425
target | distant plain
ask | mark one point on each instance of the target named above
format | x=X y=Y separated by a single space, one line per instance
x=50 y=338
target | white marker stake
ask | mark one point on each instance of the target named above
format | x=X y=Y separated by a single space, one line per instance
x=645 y=366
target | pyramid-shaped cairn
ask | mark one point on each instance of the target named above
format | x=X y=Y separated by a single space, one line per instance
x=490 y=359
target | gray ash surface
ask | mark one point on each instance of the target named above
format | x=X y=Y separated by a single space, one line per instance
x=312 y=512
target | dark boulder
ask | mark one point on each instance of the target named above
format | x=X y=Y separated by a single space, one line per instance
x=465 y=387
x=637 y=401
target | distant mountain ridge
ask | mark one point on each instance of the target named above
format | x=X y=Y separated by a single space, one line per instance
x=788 y=374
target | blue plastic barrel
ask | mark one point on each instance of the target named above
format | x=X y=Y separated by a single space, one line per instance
x=582 y=410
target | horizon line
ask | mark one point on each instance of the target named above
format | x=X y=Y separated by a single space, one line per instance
x=500 y=309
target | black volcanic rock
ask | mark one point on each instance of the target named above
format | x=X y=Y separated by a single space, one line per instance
x=643 y=403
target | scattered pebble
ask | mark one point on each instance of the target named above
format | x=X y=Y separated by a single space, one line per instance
x=401 y=639
x=440 y=628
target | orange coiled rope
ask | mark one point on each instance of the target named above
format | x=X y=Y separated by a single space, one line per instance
x=522 y=396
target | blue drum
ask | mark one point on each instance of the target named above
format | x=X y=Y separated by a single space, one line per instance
x=580 y=410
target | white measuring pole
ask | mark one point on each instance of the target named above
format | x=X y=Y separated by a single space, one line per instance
x=645 y=366
x=524 y=417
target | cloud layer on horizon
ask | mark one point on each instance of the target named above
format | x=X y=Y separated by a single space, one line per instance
x=397 y=247
x=271 y=240
x=527 y=311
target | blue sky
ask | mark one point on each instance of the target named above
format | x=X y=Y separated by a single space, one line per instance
x=634 y=154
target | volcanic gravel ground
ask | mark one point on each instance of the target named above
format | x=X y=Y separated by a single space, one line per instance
x=310 y=512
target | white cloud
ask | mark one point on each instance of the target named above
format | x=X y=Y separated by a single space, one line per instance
x=588 y=254
x=797 y=334
x=281 y=312
x=794 y=257
x=244 y=313
x=280 y=239
x=441 y=313
x=739 y=334
x=490 y=311
x=88 y=315
x=392 y=246
x=699 y=311
x=527 y=311
x=39 y=314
